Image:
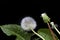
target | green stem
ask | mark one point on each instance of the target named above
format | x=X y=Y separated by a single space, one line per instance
x=53 y=25
x=37 y=34
x=56 y=29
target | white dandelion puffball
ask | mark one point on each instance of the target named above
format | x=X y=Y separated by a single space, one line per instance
x=27 y=23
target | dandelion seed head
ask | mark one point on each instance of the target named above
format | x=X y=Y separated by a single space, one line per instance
x=27 y=23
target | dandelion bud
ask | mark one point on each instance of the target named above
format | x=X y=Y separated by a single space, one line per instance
x=46 y=19
x=27 y=23
x=52 y=24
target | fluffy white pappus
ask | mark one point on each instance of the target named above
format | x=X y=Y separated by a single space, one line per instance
x=27 y=23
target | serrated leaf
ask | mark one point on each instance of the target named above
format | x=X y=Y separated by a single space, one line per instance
x=13 y=29
x=45 y=33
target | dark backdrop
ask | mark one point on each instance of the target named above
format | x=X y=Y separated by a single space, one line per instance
x=3 y=1
x=15 y=13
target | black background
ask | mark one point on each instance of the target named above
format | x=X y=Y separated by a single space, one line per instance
x=16 y=12
x=3 y=1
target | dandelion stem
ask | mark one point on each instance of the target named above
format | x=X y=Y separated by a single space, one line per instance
x=37 y=34
x=56 y=29
x=52 y=33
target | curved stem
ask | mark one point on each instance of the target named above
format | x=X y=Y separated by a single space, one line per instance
x=37 y=34
x=52 y=33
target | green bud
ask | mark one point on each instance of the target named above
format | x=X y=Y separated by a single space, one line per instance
x=46 y=19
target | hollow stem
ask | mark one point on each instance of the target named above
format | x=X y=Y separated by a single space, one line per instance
x=56 y=29
x=37 y=34
x=52 y=33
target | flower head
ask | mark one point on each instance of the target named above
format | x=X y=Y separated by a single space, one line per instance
x=46 y=19
x=27 y=23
